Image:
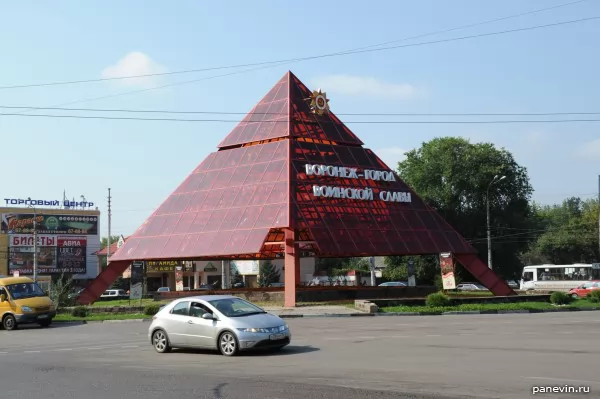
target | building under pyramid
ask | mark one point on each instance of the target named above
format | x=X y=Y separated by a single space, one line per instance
x=291 y=178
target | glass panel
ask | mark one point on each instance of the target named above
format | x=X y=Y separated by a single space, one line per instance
x=261 y=194
x=199 y=222
x=186 y=245
x=345 y=156
x=223 y=179
x=196 y=202
x=212 y=199
x=278 y=194
x=282 y=150
x=244 y=195
x=281 y=220
x=155 y=225
x=255 y=241
x=273 y=171
x=237 y=240
x=191 y=183
x=249 y=217
x=267 y=216
x=184 y=223
x=220 y=160
x=360 y=156
x=256 y=173
x=216 y=219
x=239 y=176
x=232 y=219
x=220 y=242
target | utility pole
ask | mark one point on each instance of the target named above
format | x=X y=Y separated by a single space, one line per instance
x=35 y=251
x=373 y=277
x=598 y=218
x=108 y=240
x=487 y=203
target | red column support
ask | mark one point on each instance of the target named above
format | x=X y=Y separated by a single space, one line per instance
x=292 y=268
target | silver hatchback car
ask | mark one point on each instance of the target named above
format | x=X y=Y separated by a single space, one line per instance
x=227 y=323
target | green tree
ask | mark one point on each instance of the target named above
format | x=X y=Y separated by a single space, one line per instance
x=267 y=274
x=453 y=176
x=426 y=268
x=565 y=233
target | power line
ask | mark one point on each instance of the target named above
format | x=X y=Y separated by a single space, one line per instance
x=347 y=52
x=285 y=113
x=287 y=121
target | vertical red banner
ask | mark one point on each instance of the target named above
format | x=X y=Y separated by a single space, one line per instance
x=447 y=268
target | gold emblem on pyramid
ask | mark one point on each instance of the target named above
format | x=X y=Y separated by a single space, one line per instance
x=319 y=103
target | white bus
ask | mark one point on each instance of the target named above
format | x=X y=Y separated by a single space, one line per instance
x=558 y=277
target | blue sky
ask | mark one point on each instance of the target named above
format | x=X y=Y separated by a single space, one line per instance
x=546 y=70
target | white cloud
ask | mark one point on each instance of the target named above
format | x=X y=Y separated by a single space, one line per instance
x=591 y=149
x=360 y=86
x=391 y=156
x=135 y=63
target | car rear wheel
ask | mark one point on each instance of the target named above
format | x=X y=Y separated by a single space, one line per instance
x=160 y=341
x=228 y=344
x=574 y=296
x=9 y=322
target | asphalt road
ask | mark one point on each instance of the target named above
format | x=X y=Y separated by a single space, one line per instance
x=481 y=356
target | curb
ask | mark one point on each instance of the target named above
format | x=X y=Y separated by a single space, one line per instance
x=386 y=314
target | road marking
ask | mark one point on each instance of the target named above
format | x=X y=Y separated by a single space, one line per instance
x=130 y=346
x=566 y=332
x=365 y=337
x=93 y=348
x=562 y=379
x=466 y=334
x=62 y=350
x=433 y=335
x=31 y=352
x=3 y=353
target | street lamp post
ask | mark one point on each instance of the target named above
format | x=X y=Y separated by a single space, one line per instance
x=35 y=256
x=496 y=179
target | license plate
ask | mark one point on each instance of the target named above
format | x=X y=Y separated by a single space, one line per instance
x=275 y=337
x=44 y=316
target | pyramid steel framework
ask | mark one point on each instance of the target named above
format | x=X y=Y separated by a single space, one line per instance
x=291 y=178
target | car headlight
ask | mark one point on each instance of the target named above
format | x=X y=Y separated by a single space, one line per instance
x=253 y=330
x=270 y=330
x=26 y=309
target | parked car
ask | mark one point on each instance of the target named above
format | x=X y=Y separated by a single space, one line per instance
x=582 y=290
x=471 y=287
x=393 y=284
x=223 y=322
x=114 y=294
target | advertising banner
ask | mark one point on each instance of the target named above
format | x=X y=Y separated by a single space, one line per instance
x=20 y=223
x=167 y=266
x=447 y=268
x=179 y=278
x=137 y=280
x=71 y=255
x=56 y=254
x=245 y=267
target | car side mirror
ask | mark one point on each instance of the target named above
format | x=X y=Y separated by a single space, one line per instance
x=208 y=316
x=2 y=297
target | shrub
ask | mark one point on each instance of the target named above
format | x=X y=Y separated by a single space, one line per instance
x=593 y=296
x=437 y=299
x=152 y=309
x=560 y=298
x=80 y=311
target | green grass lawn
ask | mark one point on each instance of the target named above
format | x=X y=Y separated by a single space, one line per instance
x=581 y=304
x=100 y=317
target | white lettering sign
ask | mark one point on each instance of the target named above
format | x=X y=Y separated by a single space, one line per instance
x=26 y=240
x=363 y=194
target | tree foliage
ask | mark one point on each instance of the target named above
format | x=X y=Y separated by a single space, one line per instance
x=565 y=233
x=267 y=274
x=453 y=176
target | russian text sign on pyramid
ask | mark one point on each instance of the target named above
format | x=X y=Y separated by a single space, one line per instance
x=292 y=180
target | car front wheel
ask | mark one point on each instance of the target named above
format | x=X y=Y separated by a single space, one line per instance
x=228 y=344
x=9 y=322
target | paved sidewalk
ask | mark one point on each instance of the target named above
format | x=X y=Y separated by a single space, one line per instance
x=313 y=311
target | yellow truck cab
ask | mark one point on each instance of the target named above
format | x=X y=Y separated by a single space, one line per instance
x=22 y=301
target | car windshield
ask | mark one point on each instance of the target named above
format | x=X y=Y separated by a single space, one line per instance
x=235 y=307
x=24 y=290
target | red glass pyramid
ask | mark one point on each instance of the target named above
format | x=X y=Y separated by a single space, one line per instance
x=238 y=201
